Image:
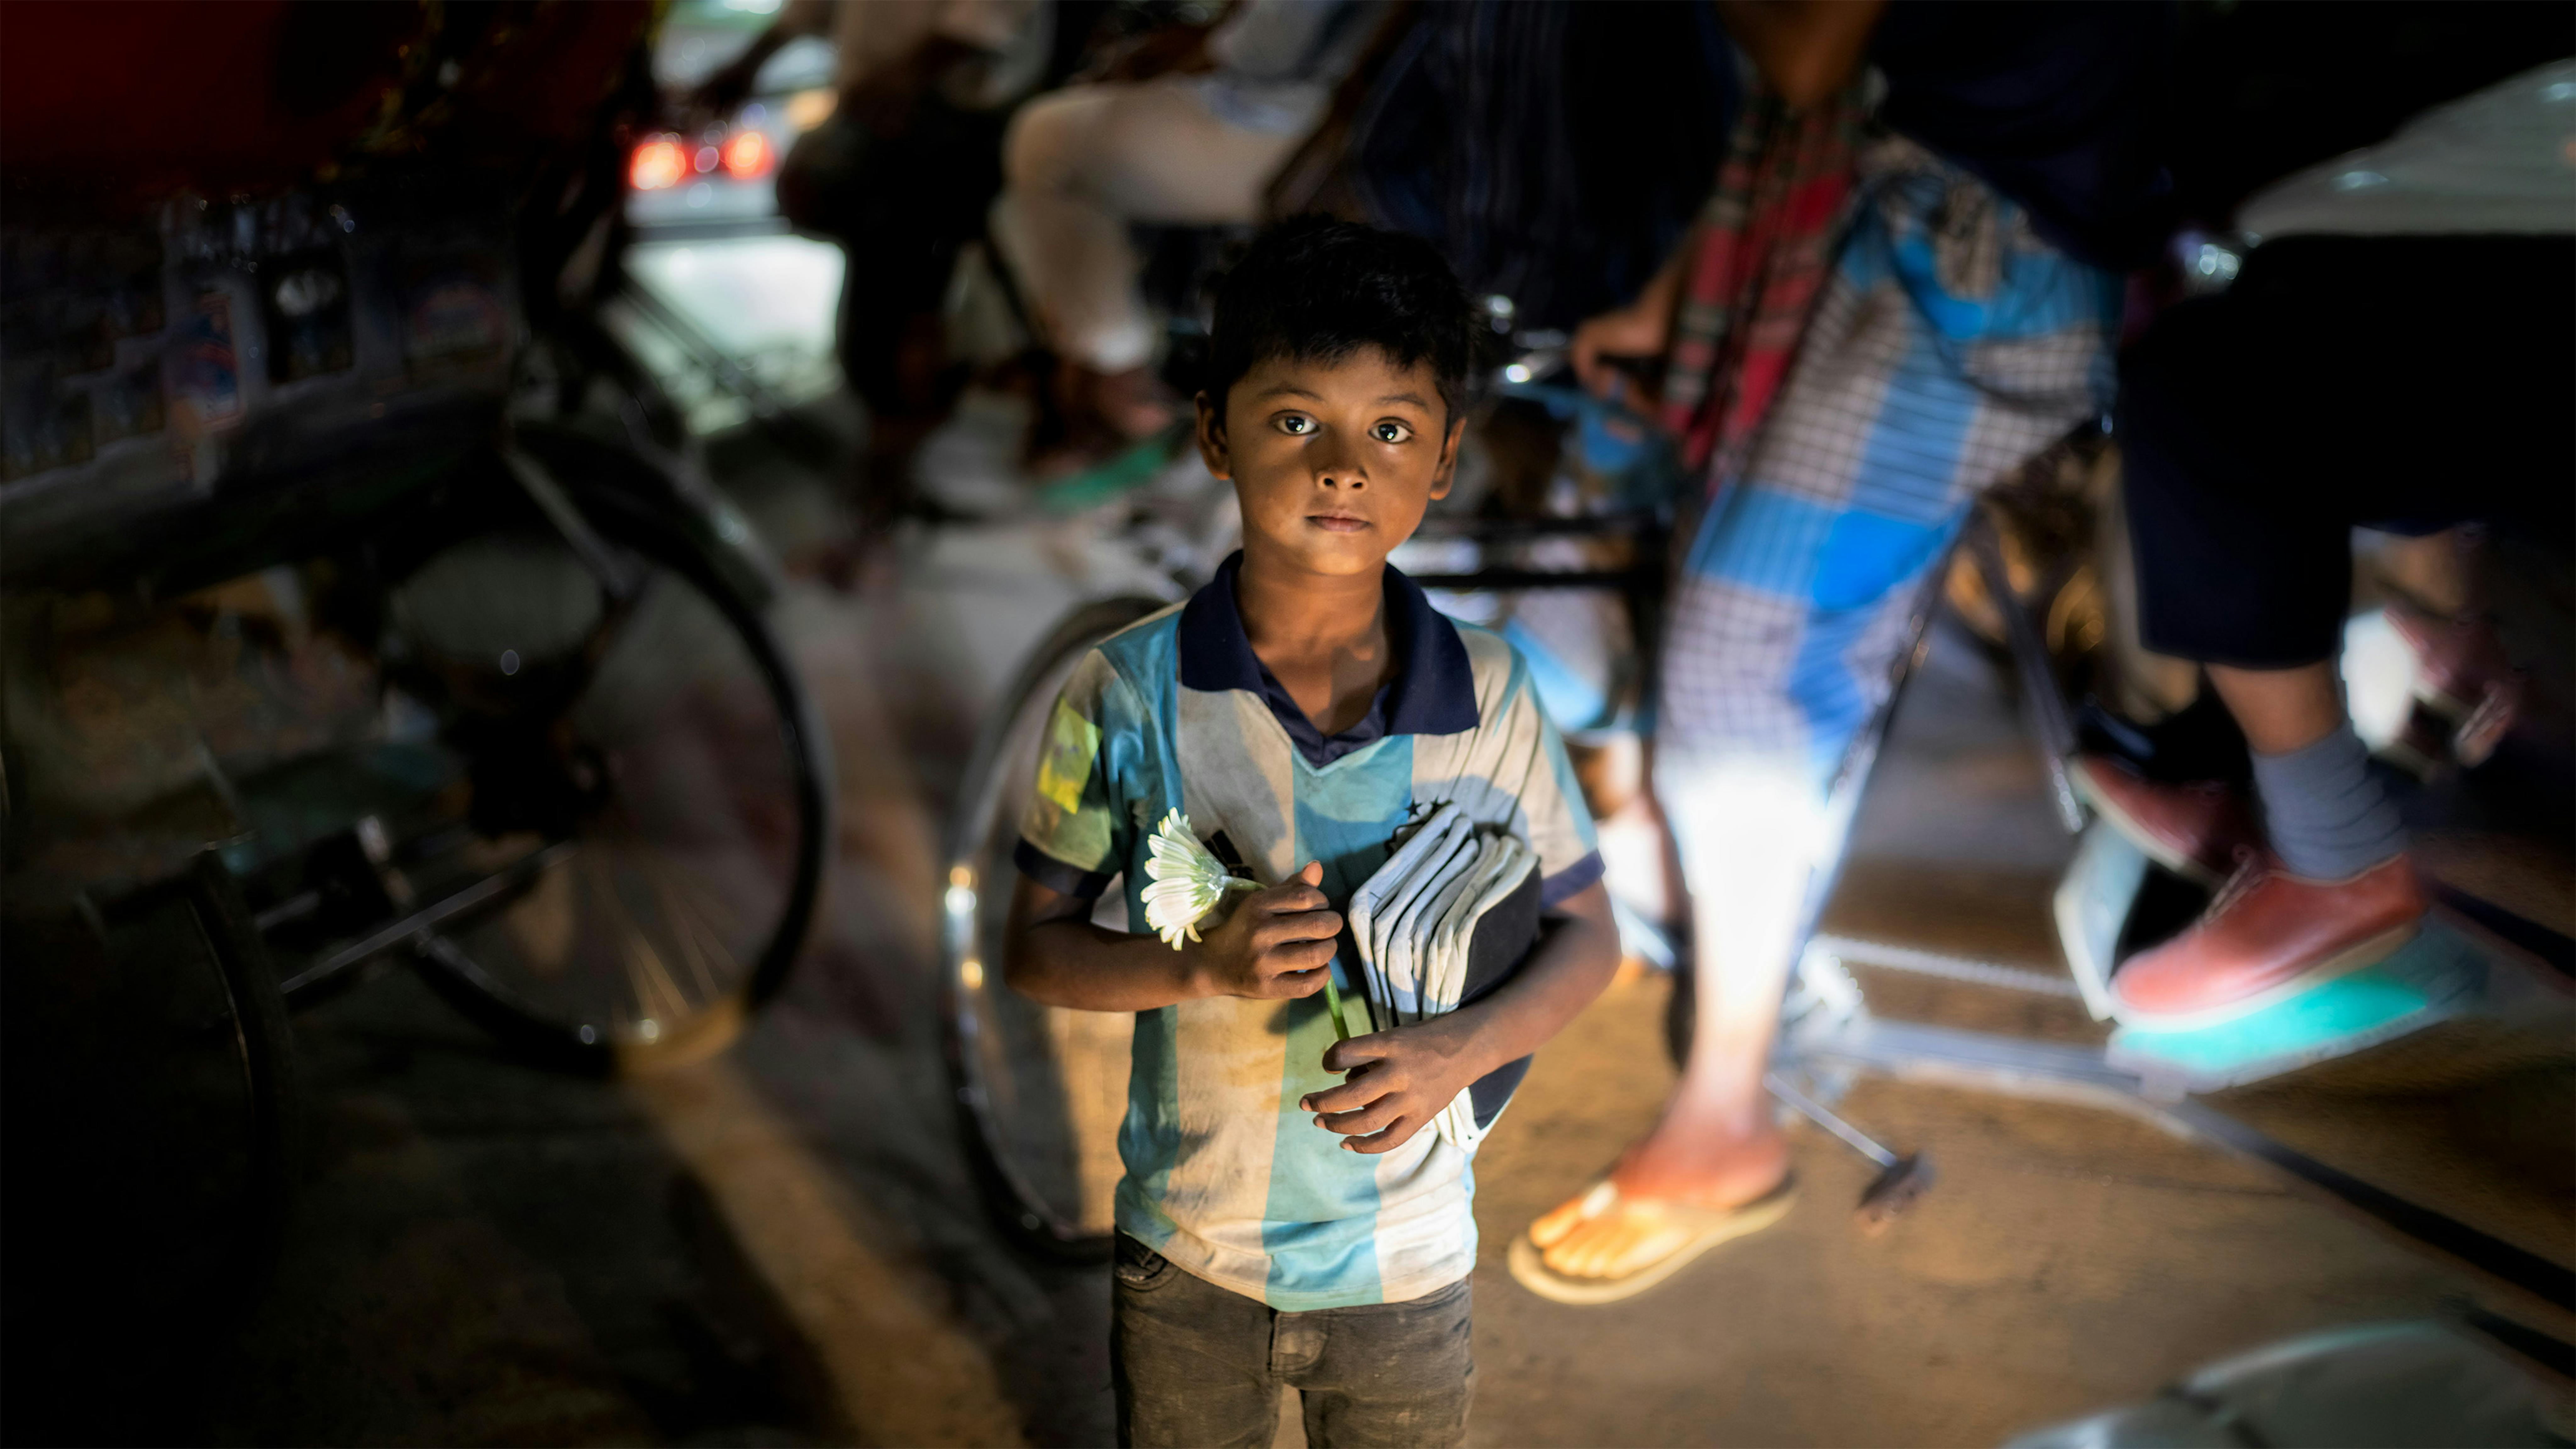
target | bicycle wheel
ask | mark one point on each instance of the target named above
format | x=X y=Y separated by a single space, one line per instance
x=1044 y=1088
x=646 y=805
x=153 y=1109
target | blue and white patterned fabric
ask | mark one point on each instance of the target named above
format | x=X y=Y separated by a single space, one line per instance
x=1226 y=1176
x=1950 y=345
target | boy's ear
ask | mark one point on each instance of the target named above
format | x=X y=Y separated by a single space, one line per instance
x=1212 y=448
x=1448 y=471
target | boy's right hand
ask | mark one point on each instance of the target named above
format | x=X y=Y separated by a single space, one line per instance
x=1276 y=943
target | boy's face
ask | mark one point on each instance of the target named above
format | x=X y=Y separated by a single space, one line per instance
x=1334 y=461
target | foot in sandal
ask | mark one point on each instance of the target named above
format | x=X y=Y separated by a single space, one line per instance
x=1677 y=1194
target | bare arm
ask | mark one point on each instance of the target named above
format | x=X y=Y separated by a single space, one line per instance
x=1805 y=49
x=1273 y=946
x=1401 y=1079
x=724 y=90
x=1640 y=329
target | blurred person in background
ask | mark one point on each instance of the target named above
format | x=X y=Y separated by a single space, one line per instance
x=1554 y=150
x=1194 y=145
x=901 y=173
x=1883 y=309
x=2260 y=426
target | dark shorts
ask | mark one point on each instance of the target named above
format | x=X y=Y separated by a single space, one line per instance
x=2405 y=383
x=1196 y=1364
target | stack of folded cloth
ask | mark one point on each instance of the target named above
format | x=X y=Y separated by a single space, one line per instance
x=1449 y=917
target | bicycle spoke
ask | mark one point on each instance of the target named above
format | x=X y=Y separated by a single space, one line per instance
x=696 y=912
x=655 y=994
x=673 y=890
x=671 y=759
x=543 y=923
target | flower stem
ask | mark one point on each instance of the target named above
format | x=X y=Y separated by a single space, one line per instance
x=1333 y=1003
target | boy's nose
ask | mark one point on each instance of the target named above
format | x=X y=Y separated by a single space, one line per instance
x=1339 y=471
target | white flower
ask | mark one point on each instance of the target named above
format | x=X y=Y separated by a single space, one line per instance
x=1187 y=881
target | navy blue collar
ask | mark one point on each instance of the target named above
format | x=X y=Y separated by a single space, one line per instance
x=1433 y=691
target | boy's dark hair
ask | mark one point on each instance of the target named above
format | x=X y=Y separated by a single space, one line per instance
x=1315 y=289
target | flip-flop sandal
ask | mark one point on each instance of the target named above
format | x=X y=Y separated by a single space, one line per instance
x=1708 y=1227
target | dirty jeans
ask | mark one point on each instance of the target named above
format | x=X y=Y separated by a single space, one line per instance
x=1195 y=1364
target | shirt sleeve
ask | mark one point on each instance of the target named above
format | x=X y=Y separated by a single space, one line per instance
x=1077 y=826
x=1560 y=825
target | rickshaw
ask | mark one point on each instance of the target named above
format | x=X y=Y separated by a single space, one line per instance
x=364 y=606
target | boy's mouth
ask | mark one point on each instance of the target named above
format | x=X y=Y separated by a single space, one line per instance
x=1338 y=522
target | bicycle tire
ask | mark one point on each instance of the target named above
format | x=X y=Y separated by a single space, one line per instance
x=1044 y=1157
x=155 y=1111
x=266 y=1041
x=502 y=995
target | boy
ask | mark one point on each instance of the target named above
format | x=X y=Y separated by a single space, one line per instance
x=1278 y=1225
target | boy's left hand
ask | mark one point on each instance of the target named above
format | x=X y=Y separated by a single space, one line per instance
x=1399 y=1081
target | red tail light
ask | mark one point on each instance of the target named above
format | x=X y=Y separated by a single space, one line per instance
x=748 y=155
x=657 y=164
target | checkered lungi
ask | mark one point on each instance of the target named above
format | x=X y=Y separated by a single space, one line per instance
x=1949 y=344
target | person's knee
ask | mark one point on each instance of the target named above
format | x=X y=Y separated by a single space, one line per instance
x=1047 y=140
x=1738 y=813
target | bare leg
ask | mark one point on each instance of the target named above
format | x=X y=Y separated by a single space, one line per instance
x=1716 y=1144
x=2282 y=710
x=2435 y=572
x=1084 y=162
x=1747 y=828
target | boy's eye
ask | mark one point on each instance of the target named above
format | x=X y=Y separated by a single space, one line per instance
x=1390 y=432
x=1296 y=424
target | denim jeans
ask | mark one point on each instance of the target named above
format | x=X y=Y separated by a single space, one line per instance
x=1196 y=1364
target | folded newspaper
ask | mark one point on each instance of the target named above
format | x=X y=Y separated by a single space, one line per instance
x=1449 y=917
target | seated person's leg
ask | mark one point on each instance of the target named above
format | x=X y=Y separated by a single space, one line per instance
x=2244 y=568
x=1079 y=167
x=1065 y=243
x=902 y=201
x=2260 y=427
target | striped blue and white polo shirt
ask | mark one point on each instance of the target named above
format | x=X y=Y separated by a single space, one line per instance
x=1226 y=1176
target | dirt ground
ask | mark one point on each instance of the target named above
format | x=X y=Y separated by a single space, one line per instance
x=2068 y=1259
